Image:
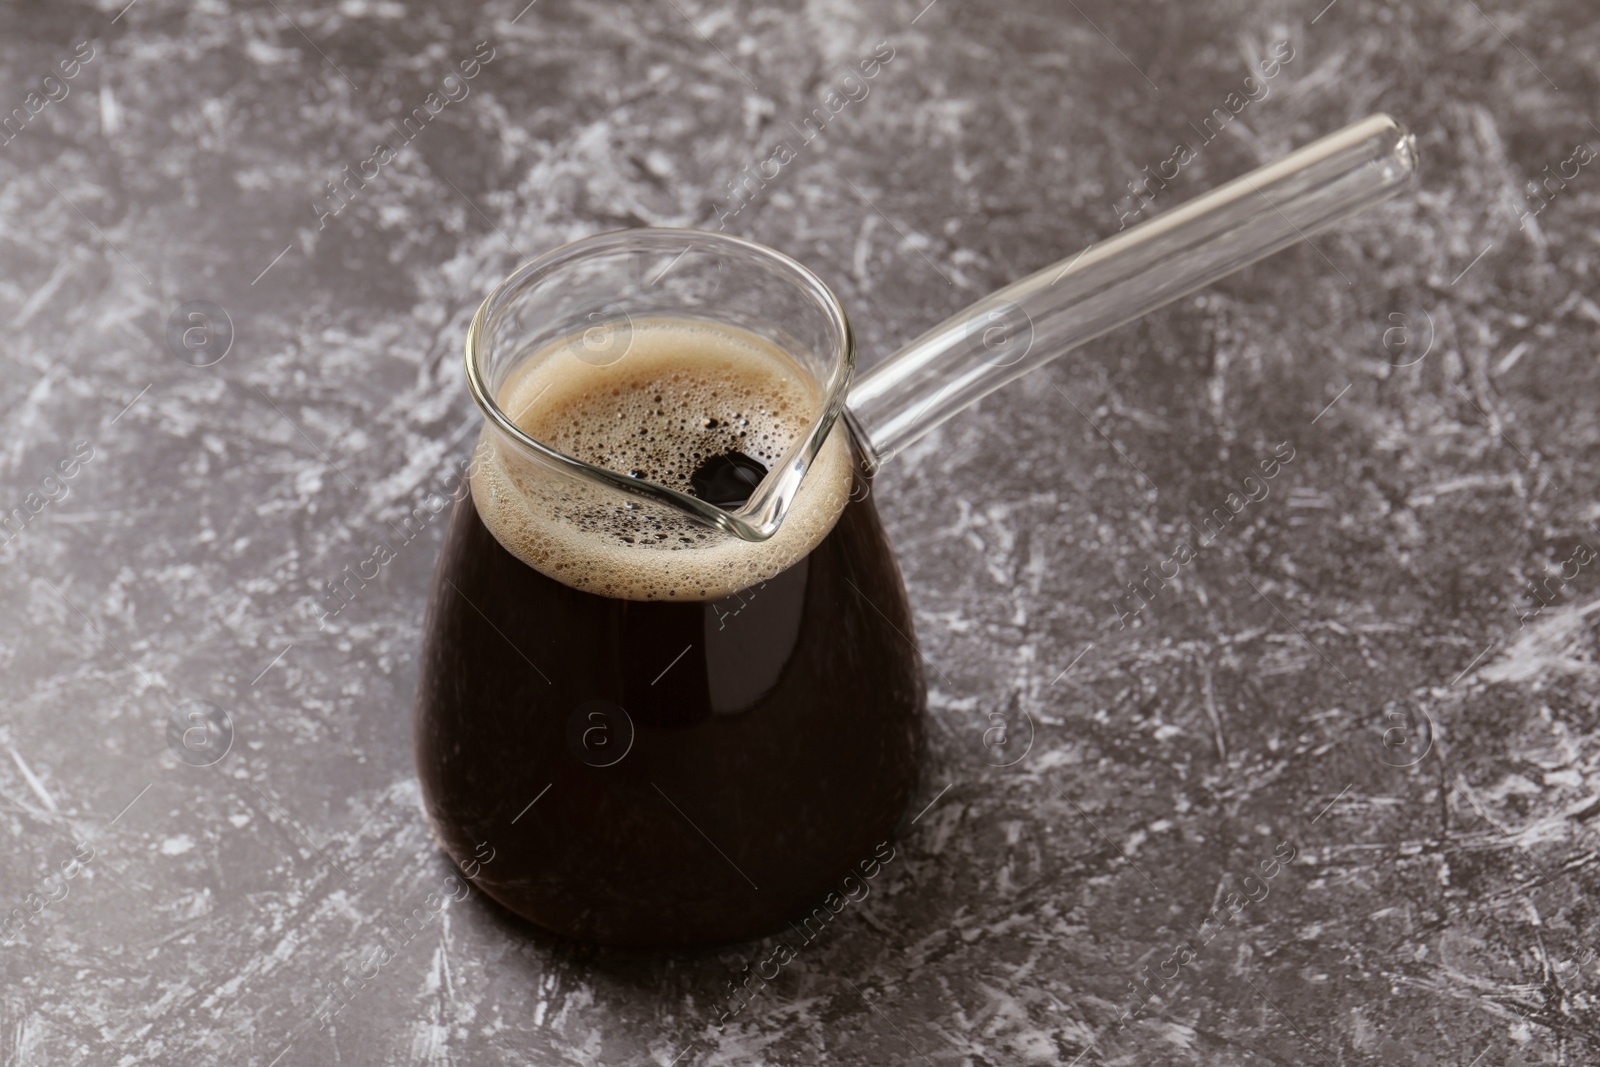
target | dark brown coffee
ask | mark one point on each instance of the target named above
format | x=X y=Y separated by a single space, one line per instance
x=673 y=771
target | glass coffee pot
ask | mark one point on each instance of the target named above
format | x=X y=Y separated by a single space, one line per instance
x=669 y=689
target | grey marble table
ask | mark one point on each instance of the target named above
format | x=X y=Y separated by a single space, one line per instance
x=1320 y=789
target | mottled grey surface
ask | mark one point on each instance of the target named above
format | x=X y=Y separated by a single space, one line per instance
x=1404 y=572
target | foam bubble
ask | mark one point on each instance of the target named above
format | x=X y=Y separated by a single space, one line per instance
x=684 y=391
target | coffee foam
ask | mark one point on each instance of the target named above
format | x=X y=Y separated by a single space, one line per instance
x=683 y=391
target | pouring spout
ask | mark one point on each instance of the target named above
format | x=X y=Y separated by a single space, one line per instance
x=1112 y=282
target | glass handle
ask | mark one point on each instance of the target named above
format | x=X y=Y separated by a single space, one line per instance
x=1027 y=324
